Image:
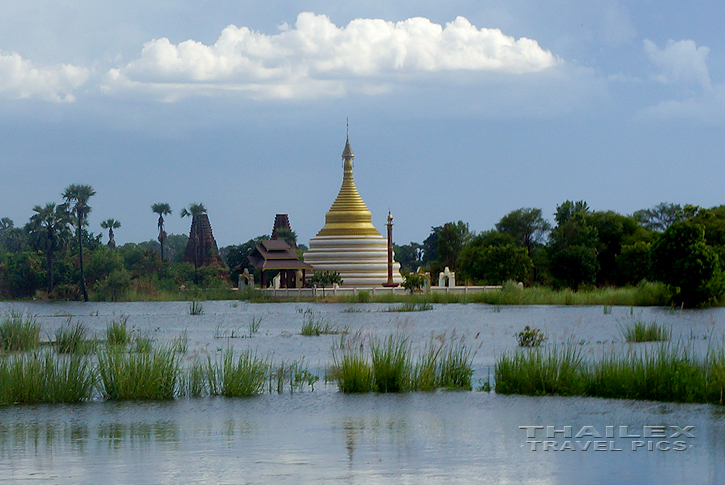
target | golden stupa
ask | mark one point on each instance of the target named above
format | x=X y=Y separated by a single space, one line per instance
x=349 y=243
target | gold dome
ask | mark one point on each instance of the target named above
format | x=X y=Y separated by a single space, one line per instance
x=348 y=215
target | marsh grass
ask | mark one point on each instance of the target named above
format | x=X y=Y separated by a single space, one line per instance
x=665 y=372
x=196 y=308
x=46 y=377
x=530 y=337
x=230 y=377
x=72 y=338
x=644 y=294
x=294 y=376
x=314 y=325
x=117 y=331
x=391 y=361
x=410 y=307
x=636 y=330
x=253 y=325
x=180 y=343
x=351 y=368
x=19 y=333
x=387 y=364
x=150 y=375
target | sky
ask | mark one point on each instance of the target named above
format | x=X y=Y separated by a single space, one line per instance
x=458 y=110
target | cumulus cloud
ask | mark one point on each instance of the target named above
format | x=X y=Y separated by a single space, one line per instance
x=683 y=66
x=681 y=62
x=318 y=58
x=19 y=78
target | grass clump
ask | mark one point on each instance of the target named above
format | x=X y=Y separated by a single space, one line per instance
x=391 y=362
x=117 y=332
x=244 y=376
x=196 y=308
x=73 y=339
x=45 y=377
x=314 y=325
x=139 y=375
x=18 y=333
x=351 y=368
x=639 y=331
x=667 y=372
x=411 y=307
x=387 y=365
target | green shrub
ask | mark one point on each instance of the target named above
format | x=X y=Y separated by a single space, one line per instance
x=530 y=337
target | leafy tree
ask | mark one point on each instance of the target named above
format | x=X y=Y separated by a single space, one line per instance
x=111 y=224
x=660 y=217
x=48 y=232
x=634 y=262
x=409 y=256
x=526 y=226
x=24 y=274
x=324 y=279
x=11 y=238
x=568 y=209
x=76 y=203
x=492 y=258
x=430 y=246
x=413 y=282
x=613 y=231
x=162 y=209
x=452 y=237
x=682 y=259
x=572 y=250
x=115 y=285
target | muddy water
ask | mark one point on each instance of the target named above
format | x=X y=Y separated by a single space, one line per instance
x=324 y=436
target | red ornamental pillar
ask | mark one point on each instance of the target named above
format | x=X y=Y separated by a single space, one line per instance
x=390 y=283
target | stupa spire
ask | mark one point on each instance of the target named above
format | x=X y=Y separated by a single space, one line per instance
x=348 y=215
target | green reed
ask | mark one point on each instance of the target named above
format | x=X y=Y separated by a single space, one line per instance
x=387 y=364
x=19 y=333
x=117 y=332
x=665 y=372
x=236 y=377
x=73 y=339
x=139 y=375
x=45 y=377
x=639 y=331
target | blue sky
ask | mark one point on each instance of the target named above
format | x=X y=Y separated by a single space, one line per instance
x=459 y=110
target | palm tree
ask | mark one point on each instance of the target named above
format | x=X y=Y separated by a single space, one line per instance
x=162 y=209
x=76 y=204
x=48 y=231
x=194 y=211
x=111 y=224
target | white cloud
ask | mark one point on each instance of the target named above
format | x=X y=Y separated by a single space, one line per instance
x=681 y=62
x=318 y=59
x=683 y=66
x=19 y=78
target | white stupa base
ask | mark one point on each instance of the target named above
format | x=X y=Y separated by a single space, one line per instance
x=362 y=261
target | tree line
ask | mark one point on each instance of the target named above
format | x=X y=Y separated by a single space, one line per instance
x=56 y=255
x=681 y=246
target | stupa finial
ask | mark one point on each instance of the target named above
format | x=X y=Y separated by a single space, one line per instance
x=347 y=153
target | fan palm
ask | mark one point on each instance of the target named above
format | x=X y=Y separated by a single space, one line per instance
x=111 y=224
x=162 y=209
x=49 y=232
x=76 y=204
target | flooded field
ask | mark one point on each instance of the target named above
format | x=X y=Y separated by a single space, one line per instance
x=324 y=436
